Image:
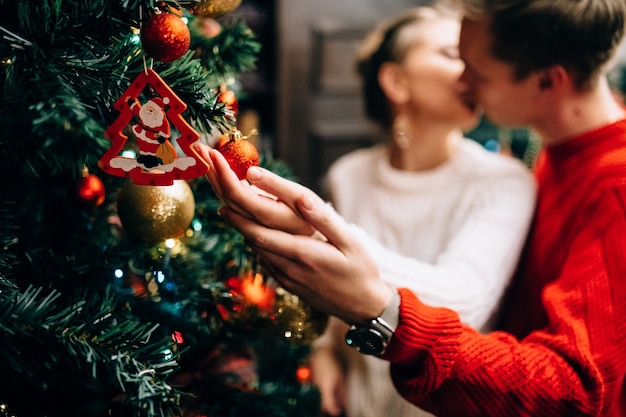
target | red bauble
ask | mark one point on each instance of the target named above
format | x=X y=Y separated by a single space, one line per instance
x=90 y=191
x=165 y=37
x=303 y=374
x=230 y=101
x=241 y=154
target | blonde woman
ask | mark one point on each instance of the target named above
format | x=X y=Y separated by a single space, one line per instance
x=458 y=213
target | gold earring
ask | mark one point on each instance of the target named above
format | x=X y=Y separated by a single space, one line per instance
x=398 y=132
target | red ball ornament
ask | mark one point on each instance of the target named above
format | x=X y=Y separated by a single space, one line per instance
x=90 y=191
x=240 y=154
x=178 y=337
x=229 y=99
x=165 y=37
x=303 y=374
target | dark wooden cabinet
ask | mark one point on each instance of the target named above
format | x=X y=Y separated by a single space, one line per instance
x=319 y=114
x=257 y=101
x=304 y=95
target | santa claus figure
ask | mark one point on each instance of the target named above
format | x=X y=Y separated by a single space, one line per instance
x=152 y=133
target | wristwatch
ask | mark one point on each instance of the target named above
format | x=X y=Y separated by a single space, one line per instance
x=373 y=336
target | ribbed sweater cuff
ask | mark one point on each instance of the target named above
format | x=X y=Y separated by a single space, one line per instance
x=424 y=334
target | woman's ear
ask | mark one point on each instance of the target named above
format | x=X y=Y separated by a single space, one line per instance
x=393 y=82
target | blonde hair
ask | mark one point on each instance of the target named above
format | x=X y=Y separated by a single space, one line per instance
x=390 y=42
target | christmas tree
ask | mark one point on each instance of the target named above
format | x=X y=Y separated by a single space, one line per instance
x=122 y=293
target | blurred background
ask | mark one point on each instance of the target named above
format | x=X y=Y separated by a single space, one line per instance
x=305 y=92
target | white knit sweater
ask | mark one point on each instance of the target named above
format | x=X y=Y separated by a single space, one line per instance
x=453 y=235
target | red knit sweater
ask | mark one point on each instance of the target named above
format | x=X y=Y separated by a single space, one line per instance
x=563 y=352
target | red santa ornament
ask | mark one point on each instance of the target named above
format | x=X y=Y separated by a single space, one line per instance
x=159 y=162
x=152 y=133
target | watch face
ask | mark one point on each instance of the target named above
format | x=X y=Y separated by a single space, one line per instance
x=366 y=340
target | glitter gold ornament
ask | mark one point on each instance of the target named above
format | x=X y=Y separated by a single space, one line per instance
x=295 y=320
x=156 y=213
x=215 y=8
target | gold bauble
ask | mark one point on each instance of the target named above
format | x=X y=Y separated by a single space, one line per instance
x=156 y=213
x=214 y=8
x=295 y=320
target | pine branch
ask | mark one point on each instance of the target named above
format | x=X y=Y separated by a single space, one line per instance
x=61 y=50
x=71 y=330
x=231 y=52
x=96 y=338
x=271 y=400
x=192 y=84
x=8 y=238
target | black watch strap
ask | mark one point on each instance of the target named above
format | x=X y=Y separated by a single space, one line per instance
x=373 y=336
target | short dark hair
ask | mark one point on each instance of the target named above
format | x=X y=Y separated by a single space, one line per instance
x=580 y=35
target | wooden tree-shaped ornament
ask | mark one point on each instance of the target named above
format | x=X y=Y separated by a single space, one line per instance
x=158 y=162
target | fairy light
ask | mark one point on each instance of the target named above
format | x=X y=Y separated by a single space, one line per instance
x=196 y=225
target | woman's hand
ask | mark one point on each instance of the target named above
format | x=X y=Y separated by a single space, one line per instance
x=250 y=201
x=302 y=241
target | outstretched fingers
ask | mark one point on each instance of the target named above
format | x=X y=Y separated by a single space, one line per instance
x=341 y=281
x=327 y=222
x=253 y=202
x=266 y=240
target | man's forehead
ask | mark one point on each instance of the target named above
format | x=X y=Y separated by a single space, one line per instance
x=474 y=36
x=476 y=27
